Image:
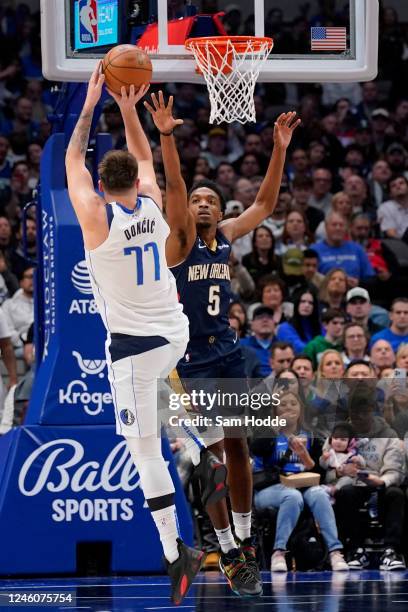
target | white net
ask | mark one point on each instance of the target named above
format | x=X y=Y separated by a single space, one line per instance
x=231 y=70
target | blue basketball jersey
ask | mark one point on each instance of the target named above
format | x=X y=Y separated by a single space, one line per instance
x=204 y=288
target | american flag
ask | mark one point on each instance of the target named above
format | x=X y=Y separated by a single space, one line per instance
x=331 y=39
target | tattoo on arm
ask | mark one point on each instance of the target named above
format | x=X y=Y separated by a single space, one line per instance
x=80 y=136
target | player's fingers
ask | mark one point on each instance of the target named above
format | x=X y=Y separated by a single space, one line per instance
x=170 y=103
x=144 y=89
x=178 y=121
x=132 y=91
x=123 y=92
x=149 y=108
x=161 y=99
x=155 y=102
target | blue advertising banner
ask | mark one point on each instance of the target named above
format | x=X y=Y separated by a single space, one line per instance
x=95 y=23
x=68 y=485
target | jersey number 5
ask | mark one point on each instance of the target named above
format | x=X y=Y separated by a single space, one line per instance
x=139 y=260
x=213 y=307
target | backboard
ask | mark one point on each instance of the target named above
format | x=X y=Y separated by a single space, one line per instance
x=314 y=41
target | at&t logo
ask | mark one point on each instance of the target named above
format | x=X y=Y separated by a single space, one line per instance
x=82 y=283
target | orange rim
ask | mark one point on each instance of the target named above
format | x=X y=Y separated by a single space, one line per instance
x=240 y=43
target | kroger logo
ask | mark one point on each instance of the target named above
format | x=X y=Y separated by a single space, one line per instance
x=78 y=393
x=80 y=278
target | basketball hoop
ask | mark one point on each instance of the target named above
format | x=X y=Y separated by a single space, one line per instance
x=230 y=66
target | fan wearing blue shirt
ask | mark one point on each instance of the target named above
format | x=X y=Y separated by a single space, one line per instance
x=335 y=252
x=397 y=333
x=263 y=330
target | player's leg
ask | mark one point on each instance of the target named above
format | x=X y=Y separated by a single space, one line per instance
x=208 y=467
x=239 y=467
x=233 y=562
x=134 y=386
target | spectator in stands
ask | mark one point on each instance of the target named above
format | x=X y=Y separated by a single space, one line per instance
x=273 y=293
x=226 y=177
x=276 y=221
x=385 y=467
x=358 y=308
x=380 y=121
x=398 y=331
x=310 y=265
x=34 y=152
x=393 y=214
x=333 y=290
x=379 y=181
x=5 y=165
x=296 y=234
x=396 y=156
x=360 y=232
x=356 y=189
x=299 y=165
x=360 y=369
x=8 y=281
x=370 y=99
x=355 y=343
x=19 y=310
x=244 y=192
x=237 y=309
x=23 y=121
x=217 y=147
x=382 y=355
x=337 y=252
x=305 y=323
x=333 y=321
x=249 y=166
x=263 y=336
x=341 y=204
x=262 y=260
x=242 y=284
x=321 y=195
x=302 y=190
x=293 y=439
x=7 y=355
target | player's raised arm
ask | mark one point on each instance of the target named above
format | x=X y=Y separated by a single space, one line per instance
x=181 y=221
x=137 y=142
x=80 y=186
x=267 y=196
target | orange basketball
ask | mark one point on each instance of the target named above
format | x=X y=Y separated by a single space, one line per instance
x=126 y=65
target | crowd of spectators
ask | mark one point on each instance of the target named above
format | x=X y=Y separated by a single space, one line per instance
x=321 y=292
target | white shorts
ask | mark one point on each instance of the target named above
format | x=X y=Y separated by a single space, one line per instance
x=134 y=384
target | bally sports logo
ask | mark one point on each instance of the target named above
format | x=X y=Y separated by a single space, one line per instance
x=82 y=283
x=58 y=467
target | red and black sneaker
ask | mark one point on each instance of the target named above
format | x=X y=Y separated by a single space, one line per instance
x=240 y=574
x=183 y=570
x=248 y=547
x=213 y=476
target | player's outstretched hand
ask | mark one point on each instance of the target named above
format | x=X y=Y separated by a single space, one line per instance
x=285 y=125
x=162 y=115
x=127 y=101
x=95 y=86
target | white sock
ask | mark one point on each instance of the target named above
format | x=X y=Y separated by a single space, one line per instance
x=167 y=526
x=242 y=524
x=193 y=446
x=226 y=539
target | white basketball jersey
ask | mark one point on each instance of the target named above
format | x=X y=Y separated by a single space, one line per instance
x=134 y=289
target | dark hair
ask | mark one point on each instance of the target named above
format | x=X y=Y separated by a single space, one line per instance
x=354 y=324
x=310 y=254
x=358 y=362
x=304 y=357
x=302 y=182
x=343 y=429
x=245 y=323
x=298 y=321
x=270 y=280
x=280 y=344
x=333 y=313
x=395 y=177
x=404 y=300
x=208 y=184
x=271 y=252
x=118 y=171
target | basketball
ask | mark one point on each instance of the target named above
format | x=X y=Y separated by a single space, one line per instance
x=126 y=65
